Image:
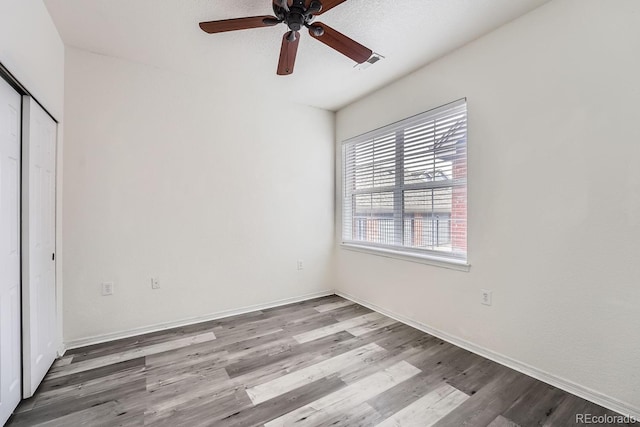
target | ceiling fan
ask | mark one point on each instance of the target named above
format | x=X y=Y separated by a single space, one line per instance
x=296 y=14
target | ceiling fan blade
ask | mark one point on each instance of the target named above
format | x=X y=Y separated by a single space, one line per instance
x=224 y=25
x=329 y=4
x=340 y=42
x=288 y=54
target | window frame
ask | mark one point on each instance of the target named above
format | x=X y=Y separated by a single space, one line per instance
x=398 y=250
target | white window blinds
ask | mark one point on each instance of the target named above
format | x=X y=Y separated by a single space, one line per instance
x=405 y=185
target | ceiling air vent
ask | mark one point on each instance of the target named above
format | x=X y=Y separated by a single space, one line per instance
x=375 y=57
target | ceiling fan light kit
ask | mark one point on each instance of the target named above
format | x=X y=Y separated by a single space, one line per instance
x=297 y=14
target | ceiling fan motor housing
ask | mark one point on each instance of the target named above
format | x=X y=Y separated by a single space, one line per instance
x=295 y=21
x=297 y=15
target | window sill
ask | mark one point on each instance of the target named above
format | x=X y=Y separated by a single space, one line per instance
x=452 y=264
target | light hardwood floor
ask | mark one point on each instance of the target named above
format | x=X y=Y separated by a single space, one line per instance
x=323 y=362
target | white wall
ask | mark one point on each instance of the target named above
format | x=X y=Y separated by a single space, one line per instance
x=554 y=196
x=215 y=191
x=32 y=50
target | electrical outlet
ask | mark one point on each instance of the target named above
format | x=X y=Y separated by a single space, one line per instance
x=486 y=296
x=300 y=264
x=155 y=283
x=107 y=288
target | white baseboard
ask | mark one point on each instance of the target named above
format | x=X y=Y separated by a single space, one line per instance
x=99 y=339
x=561 y=383
x=558 y=382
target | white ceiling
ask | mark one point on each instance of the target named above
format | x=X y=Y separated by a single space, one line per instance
x=165 y=34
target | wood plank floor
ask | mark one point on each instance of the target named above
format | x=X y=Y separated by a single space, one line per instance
x=323 y=362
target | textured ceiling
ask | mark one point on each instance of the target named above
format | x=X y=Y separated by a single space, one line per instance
x=165 y=34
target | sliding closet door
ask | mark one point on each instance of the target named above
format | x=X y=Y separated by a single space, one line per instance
x=38 y=239
x=10 y=368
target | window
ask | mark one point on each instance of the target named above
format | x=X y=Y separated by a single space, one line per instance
x=405 y=186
